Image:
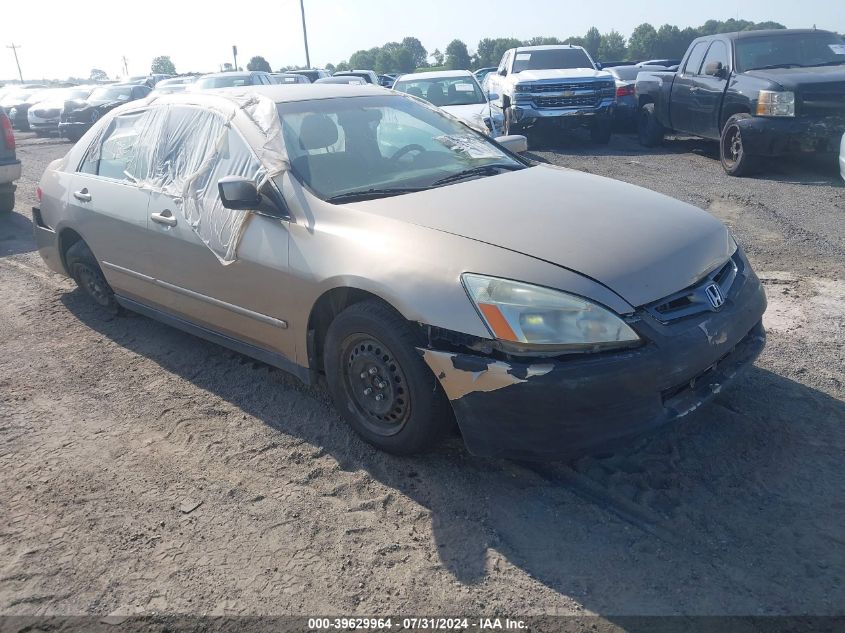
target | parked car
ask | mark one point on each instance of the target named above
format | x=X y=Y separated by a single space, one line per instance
x=561 y=86
x=666 y=63
x=759 y=93
x=151 y=81
x=313 y=74
x=386 y=81
x=174 y=84
x=422 y=269
x=345 y=80
x=77 y=117
x=481 y=73
x=214 y=81
x=458 y=93
x=43 y=115
x=10 y=166
x=16 y=104
x=17 y=93
x=367 y=75
x=626 y=110
x=290 y=78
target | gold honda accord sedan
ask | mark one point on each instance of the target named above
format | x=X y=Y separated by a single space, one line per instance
x=429 y=274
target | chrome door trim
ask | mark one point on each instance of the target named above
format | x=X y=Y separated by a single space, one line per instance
x=200 y=297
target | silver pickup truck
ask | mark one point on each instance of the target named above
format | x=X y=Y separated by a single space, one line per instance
x=543 y=86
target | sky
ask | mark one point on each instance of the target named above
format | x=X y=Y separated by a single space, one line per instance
x=60 y=39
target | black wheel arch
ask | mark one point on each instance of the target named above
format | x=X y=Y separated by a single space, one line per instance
x=67 y=238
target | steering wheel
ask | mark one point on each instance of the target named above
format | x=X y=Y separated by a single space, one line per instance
x=413 y=147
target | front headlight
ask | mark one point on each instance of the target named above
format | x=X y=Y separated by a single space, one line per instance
x=523 y=88
x=526 y=315
x=776 y=103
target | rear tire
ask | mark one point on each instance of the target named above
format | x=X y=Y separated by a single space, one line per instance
x=7 y=202
x=379 y=382
x=86 y=272
x=649 y=129
x=735 y=161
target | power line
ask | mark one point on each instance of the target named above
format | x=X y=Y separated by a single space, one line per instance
x=15 y=48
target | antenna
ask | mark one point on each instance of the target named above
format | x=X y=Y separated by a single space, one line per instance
x=15 y=48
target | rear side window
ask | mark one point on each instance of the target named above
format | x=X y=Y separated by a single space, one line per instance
x=695 y=58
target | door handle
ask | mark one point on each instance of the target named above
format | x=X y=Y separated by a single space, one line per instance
x=165 y=217
x=82 y=195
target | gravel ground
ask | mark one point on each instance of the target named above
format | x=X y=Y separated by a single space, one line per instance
x=143 y=470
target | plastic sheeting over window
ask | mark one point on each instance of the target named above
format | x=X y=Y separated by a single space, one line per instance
x=183 y=150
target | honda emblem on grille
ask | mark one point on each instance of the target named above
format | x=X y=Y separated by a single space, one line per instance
x=715 y=296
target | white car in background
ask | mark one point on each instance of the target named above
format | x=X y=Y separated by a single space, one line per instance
x=458 y=93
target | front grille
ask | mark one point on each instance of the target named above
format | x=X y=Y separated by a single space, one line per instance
x=695 y=299
x=46 y=114
x=591 y=99
x=538 y=88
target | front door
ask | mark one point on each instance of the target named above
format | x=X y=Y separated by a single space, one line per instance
x=682 y=100
x=221 y=269
x=709 y=91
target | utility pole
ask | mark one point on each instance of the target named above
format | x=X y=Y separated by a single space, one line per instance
x=305 y=34
x=235 y=56
x=125 y=67
x=15 y=48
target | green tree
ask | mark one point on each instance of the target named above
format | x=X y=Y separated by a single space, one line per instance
x=344 y=65
x=437 y=56
x=404 y=61
x=331 y=68
x=259 y=63
x=490 y=51
x=97 y=75
x=457 y=56
x=612 y=47
x=542 y=40
x=385 y=62
x=592 y=41
x=163 y=65
x=416 y=49
x=575 y=41
x=642 y=42
x=363 y=60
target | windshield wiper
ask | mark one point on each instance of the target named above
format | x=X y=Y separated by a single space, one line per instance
x=372 y=194
x=773 y=66
x=481 y=170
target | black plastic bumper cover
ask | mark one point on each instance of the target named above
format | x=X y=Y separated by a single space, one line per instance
x=772 y=136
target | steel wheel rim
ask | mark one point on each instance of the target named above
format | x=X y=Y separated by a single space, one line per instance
x=94 y=284
x=376 y=384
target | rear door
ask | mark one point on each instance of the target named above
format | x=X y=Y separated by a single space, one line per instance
x=708 y=92
x=108 y=206
x=681 y=102
x=221 y=269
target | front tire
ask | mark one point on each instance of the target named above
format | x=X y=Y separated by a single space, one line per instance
x=649 y=129
x=379 y=382
x=735 y=161
x=7 y=202
x=86 y=272
x=600 y=131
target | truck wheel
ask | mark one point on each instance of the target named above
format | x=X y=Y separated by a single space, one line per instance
x=600 y=131
x=379 y=382
x=735 y=161
x=649 y=129
x=86 y=272
x=7 y=202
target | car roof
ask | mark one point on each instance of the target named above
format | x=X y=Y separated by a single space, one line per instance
x=279 y=93
x=434 y=74
x=549 y=47
x=741 y=35
x=239 y=73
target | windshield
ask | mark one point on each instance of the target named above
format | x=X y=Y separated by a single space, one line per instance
x=443 y=91
x=551 y=58
x=111 y=94
x=789 y=49
x=223 y=81
x=382 y=143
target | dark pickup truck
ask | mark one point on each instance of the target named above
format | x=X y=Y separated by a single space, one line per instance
x=759 y=93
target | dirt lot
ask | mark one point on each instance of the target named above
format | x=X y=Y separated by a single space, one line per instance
x=113 y=429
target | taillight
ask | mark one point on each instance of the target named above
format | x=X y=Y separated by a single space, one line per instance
x=38 y=194
x=8 y=135
x=625 y=91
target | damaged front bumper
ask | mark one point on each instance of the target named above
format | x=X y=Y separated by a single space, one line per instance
x=525 y=113
x=772 y=136
x=560 y=408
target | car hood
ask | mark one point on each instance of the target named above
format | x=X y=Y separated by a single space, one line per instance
x=797 y=78
x=640 y=244
x=473 y=114
x=563 y=73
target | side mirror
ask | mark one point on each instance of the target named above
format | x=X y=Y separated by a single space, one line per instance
x=714 y=69
x=492 y=96
x=598 y=65
x=515 y=143
x=238 y=193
